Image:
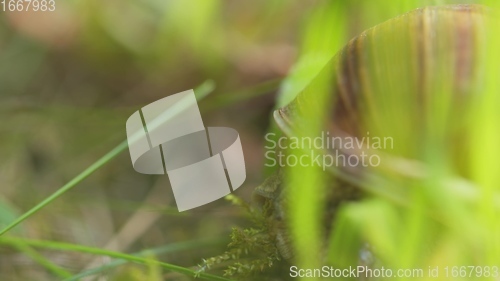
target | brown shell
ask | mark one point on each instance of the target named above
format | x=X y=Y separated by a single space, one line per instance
x=415 y=47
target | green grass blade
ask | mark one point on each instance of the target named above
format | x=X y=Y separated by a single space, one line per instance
x=98 y=251
x=40 y=259
x=312 y=78
x=156 y=251
x=72 y=183
x=202 y=91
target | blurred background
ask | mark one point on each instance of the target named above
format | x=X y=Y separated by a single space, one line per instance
x=69 y=79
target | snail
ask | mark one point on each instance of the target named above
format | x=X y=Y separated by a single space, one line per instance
x=416 y=49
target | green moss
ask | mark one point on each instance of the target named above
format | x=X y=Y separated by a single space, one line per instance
x=251 y=250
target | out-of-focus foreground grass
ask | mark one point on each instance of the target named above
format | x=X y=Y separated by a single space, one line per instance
x=433 y=214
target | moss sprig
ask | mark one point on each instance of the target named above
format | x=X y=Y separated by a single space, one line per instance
x=251 y=250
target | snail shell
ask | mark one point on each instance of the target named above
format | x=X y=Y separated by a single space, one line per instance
x=400 y=61
x=414 y=49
